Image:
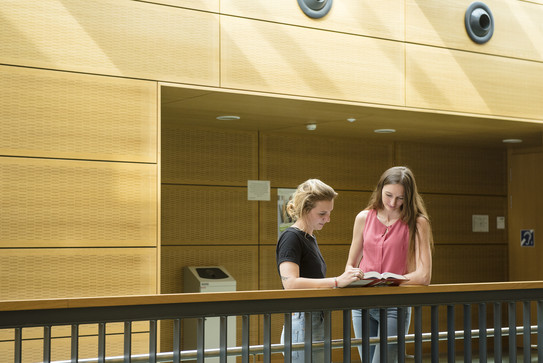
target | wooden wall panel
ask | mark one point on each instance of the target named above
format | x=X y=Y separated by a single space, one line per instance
x=526 y=204
x=208 y=156
x=194 y=215
x=452 y=80
x=517 y=31
x=126 y=38
x=469 y=263
x=67 y=115
x=66 y=203
x=338 y=231
x=362 y=17
x=207 y=5
x=32 y=350
x=271 y=57
x=353 y=164
x=240 y=261
x=454 y=169
x=451 y=217
x=62 y=272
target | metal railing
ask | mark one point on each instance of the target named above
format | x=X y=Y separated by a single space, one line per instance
x=17 y=316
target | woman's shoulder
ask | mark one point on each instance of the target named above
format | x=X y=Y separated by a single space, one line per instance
x=363 y=215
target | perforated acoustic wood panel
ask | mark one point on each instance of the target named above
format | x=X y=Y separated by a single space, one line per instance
x=240 y=261
x=32 y=349
x=62 y=203
x=198 y=215
x=59 y=114
x=59 y=272
x=451 y=217
x=126 y=38
x=352 y=164
x=278 y=58
x=455 y=170
x=208 y=156
x=337 y=231
x=469 y=263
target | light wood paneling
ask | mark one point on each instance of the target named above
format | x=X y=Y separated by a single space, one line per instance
x=363 y=17
x=469 y=263
x=270 y=57
x=62 y=273
x=126 y=38
x=451 y=217
x=338 y=231
x=455 y=170
x=240 y=261
x=207 y=5
x=525 y=207
x=65 y=203
x=208 y=156
x=58 y=114
x=517 y=32
x=195 y=215
x=32 y=350
x=451 y=80
x=353 y=164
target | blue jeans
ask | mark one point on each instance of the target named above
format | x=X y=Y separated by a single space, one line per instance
x=298 y=336
x=392 y=330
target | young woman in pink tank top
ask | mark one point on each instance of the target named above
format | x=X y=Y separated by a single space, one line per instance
x=393 y=234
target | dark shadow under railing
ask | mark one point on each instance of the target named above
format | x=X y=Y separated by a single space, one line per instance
x=20 y=315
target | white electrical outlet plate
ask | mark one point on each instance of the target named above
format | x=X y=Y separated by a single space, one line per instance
x=479 y=223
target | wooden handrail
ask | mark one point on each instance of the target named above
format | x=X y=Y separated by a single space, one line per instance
x=89 y=302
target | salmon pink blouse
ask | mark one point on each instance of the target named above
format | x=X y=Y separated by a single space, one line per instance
x=385 y=248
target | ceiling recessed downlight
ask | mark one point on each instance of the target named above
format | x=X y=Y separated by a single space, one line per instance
x=311 y=127
x=351 y=119
x=228 y=118
x=384 y=131
x=512 y=141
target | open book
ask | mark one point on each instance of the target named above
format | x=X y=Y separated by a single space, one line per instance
x=374 y=278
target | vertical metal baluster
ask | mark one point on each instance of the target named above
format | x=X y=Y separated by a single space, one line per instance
x=467 y=333
x=245 y=335
x=127 y=342
x=327 y=336
x=497 y=332
x=223 y=339
x=288 y=338
x=267 y=338
x=101 y=342
x=482 y=333
x=18 y=345
x=418 y=334
x=200 y=340
x=451 y=354
x=308 y=337
x=434 y=332
x=347 y=335
x=176 y=344
x=366 y=348
x=540 y=331
x=75 y=343
x=527 y=331
x=512 y=332
x=383 y=334
x=47 y=344
x=401 y=335
x=152 y=341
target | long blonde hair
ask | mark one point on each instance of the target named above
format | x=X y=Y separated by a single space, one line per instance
x=413 y=204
